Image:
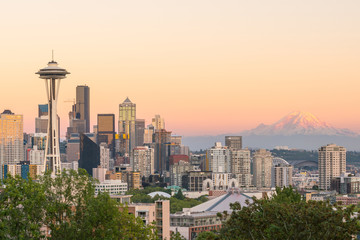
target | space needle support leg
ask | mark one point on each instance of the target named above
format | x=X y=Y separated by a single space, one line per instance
x=48 y=127
x=56 y=149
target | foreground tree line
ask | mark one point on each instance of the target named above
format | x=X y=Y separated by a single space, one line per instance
x=287 y=216
x=64 y=207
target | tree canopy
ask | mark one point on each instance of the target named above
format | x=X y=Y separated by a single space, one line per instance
x=177 y=202
x=64 y=207
x=288 y=216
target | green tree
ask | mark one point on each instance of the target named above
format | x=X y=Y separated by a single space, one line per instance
x=288 y=216
x=176 y=236
x=179 y=195
x=67 y=206
x=73 y=211
x=21 y=209
x=208 y=236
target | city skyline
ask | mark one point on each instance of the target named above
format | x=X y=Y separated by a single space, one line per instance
x=197 y=64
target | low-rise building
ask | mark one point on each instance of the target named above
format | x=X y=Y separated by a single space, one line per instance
x=158 y=212
x=189 y=225
x=203 y=217
x=193 y=180
x=346 y=184
x=113 y=187
x=177 y=170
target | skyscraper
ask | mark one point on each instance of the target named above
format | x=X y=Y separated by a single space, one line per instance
x=139 y=132
x=106 y=130
x=82 y=109
x=240 y=165
x=162 y=138
x=127 y=117
x=332 y=162
x=43 y=110
x=148 y=134
x=218 y=159
x=11 y=139
x=89 y=154
x=281 y=175
x=262 y=164
x=158 y=122
x=41 y=122
x=233 y=142
x=143 y=160
x=52 y=74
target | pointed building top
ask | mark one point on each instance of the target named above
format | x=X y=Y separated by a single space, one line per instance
x=127 y=100
x=7 y=111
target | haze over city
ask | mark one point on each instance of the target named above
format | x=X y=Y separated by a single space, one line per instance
x=208 y=67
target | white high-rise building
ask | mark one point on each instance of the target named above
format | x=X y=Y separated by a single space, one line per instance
x=143 y=160
x=262 y=164
x=11 y=139
x=240 y=165
x=36 y=156
x=281 y=174
x=218 y=159
x=104 y=156
x=332 y=162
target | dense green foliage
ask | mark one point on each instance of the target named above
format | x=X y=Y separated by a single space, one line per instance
x=67 y=206
x=288 y=216
x=177 y=202
x=177 y=205
x=208 y=236
x=176 y=236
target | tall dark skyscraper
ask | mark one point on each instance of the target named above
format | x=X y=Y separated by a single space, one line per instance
x=82 y=109
x=106 y=130
x=162 y=139
x=139 y=132
x=233 y=142
x=89 y=154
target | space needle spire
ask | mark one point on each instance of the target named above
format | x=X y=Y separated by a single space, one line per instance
x=52 y=74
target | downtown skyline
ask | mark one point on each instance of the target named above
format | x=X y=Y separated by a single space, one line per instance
x=206 y=67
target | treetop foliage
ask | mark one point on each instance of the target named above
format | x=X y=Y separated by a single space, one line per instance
x=66 y=208
x=288 y=216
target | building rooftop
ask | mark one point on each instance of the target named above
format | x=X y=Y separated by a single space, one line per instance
x=127 y=100
x=162 y=194
x=194 y=214
x=222 y=203
x=7 y=111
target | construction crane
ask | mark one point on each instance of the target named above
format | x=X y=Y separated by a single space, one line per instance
x=73 y=102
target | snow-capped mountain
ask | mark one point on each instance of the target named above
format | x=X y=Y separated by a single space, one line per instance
x=299 y=123
x=296 y=130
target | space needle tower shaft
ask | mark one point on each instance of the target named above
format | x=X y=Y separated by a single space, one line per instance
x=52 y=74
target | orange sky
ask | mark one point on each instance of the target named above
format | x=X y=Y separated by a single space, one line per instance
x=206 y=66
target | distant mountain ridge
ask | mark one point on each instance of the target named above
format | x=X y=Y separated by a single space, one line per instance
x=299 y=123
x=301 y=130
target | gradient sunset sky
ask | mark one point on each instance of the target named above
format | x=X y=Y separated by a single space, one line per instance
x=206 y=66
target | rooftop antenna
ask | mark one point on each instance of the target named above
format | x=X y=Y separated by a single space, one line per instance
x=52 y=55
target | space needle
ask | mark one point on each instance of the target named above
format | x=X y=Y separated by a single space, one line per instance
x=52 y=74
